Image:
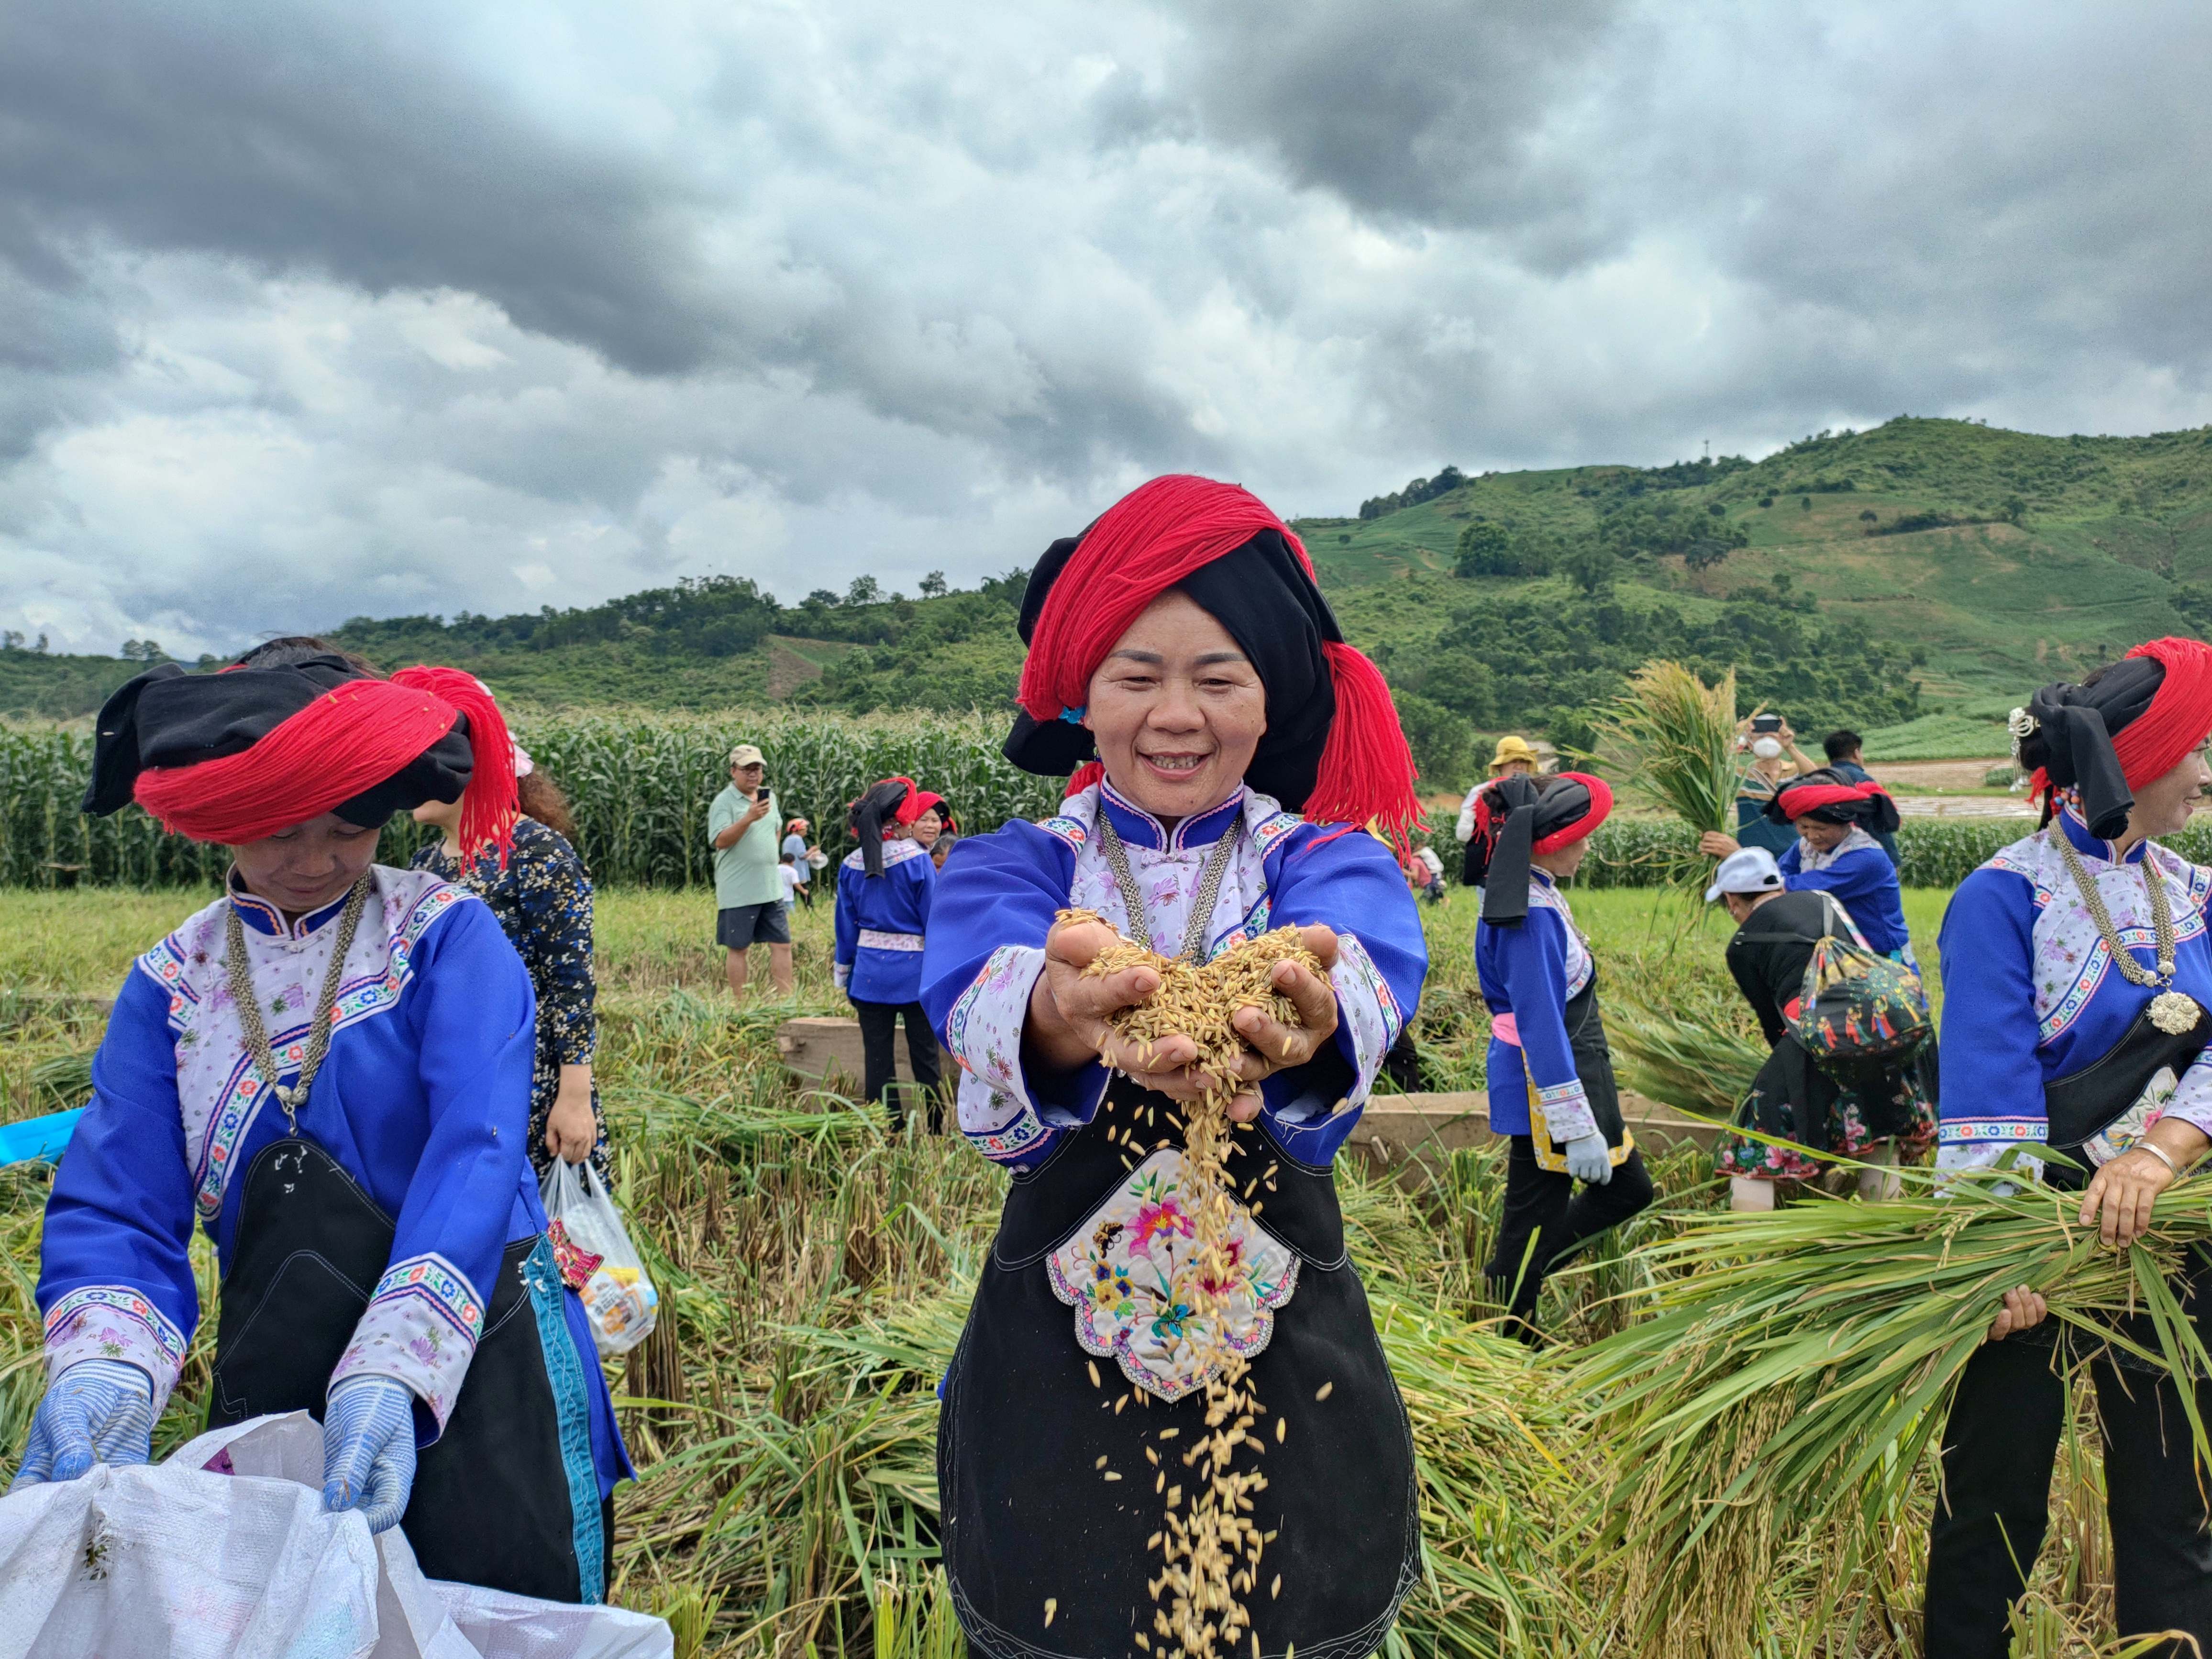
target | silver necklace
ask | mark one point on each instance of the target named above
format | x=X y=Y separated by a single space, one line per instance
x=295 y=1096
x=2170 y=1010
x=1132 y=900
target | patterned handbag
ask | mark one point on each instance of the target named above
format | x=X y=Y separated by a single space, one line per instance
x=1856 y=1007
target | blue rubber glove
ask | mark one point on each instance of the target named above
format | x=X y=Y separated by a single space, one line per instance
x=98 y=1411
x=1589 y=1159
x=368 y=1449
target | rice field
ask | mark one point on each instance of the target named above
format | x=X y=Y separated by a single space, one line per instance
x=815 y=1272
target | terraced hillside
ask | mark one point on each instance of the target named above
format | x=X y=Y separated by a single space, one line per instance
x=1999 y=558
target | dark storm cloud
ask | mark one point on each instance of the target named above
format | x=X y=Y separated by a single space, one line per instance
x=306 y=139
x=1426 y=111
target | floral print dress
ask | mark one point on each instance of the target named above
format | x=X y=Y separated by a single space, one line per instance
x=543 y=902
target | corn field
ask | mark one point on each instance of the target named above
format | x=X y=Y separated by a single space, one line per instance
x=641 y=788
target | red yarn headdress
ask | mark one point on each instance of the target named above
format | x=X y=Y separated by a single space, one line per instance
x=1144 y=544
x=491 y=803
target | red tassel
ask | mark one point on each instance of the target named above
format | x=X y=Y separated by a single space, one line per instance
x=1083 y=777
x=1367 y=772
x=490 y=804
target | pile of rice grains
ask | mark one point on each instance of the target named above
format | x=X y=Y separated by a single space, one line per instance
x=1212 y=1548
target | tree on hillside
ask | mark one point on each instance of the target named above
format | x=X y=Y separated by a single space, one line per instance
x=1490 y=549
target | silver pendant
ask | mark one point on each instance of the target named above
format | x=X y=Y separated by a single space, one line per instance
x=2174 y=1013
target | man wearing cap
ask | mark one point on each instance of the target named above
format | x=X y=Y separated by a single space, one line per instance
x=1777 y=929
x=748 y=892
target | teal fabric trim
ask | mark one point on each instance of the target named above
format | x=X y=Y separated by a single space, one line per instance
x=571 y=1405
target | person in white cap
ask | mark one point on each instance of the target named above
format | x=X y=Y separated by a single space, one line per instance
x=1868 y=1114
x=748 y=892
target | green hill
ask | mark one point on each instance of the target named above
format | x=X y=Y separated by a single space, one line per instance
x=1927 y=567
x=1996 y=559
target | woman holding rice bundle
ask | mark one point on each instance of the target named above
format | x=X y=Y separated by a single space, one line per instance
x=1241 y=743
x=2077 y=974
x=330 y=1069
x=1552 y=1088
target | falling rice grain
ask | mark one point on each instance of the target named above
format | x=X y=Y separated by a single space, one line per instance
x=1051 y=1607
x=1100 y=1464
x=1275 y=1588
x=1323 y=1392
x=1282 y=1428
x=1091 y=1365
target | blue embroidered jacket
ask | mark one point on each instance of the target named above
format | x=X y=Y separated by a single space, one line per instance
x=423 y=1098
x=1864 y=882
x=1528 y=974
x=2029 y=993
x=881 y=923
x=998 y=898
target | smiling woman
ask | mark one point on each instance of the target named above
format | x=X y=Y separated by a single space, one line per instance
x=1182 y=636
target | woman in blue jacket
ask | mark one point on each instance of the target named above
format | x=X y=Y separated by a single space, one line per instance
x=329 y=1069
x=884 y=890
x=1836 y=852
x=1552 y=1088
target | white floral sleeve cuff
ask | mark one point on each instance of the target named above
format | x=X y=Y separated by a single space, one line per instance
x=113 y=1322
x=1566 y=1111
x=1000 y=1111
x=420 y=1328
x=841 y=974
x=1368 y=1020
x=2192 y=1097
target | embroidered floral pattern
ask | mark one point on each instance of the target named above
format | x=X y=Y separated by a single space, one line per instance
x=113 y=1322
x=1565 y=1109
x=420 y=1328
x=220 y=1091
x=1132 y=1274
x=1580 y=964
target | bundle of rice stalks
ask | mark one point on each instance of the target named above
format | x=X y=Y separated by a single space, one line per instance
x=1677 y=736
x=1800 y=1364
x=1701 y=1065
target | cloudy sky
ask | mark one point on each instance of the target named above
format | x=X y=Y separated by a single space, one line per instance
x=311 y=311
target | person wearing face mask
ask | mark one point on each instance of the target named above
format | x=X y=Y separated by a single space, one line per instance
x=1774 y=752
x=1227 y=748
x=330 y=1069
x=2077 y=971
x=1552 y=1088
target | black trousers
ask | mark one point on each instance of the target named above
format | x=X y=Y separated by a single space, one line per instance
x=880 y=1064
x=1998 y=1449
x=1542 y=1205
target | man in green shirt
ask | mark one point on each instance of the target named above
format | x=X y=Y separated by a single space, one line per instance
x=748 y=892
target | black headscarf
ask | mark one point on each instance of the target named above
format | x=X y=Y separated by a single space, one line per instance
x=1877 y=812
x=879 y=805
x=167 y=718
x=1261 y=596
x=2072 y=738
x=1533 y=809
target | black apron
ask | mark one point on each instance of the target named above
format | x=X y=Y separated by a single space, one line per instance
x=497 y=1500
x=2077 y=1106
x=1028 y=1515
x=1594 y=1066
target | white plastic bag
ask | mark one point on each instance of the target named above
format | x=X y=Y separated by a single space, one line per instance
x=619 y=1297
x=173 y=1559
x=225 y=1549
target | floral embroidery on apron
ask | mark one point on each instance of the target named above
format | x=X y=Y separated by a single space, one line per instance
x=1128 y=1272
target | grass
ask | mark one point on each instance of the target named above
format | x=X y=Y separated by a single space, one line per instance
x=815 y=1273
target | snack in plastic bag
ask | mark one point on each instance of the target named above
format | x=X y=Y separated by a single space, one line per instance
x=617 y=1295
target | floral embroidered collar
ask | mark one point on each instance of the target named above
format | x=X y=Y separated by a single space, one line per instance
x=1138 y=827
x=262 y=917
x=2068 y=819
